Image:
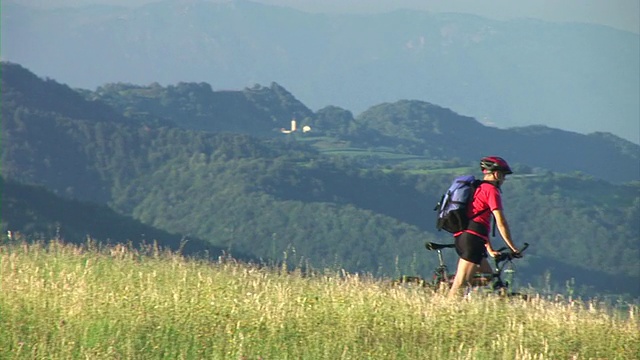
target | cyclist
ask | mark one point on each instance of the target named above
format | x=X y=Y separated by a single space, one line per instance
x=473 y=245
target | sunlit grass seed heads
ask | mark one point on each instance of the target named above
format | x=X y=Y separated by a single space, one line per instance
x=62 y=301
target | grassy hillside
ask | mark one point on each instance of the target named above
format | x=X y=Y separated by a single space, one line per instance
x=63 y=301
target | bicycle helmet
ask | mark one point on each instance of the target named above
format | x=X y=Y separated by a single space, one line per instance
x=495 y=163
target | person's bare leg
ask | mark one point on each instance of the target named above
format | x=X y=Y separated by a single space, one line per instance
x=464 y=275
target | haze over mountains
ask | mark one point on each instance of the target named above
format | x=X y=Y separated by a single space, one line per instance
x=575 y=77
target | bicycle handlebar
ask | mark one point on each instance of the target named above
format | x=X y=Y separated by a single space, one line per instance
x=509 y=255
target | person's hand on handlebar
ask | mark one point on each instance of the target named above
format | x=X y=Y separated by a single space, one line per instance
x=516 y=254
x=493 y=253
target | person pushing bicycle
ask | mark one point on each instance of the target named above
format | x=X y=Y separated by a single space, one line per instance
x=473 y=244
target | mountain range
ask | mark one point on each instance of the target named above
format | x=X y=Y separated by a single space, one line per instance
x=412 y=127
x=187 y=162
x=577 y=77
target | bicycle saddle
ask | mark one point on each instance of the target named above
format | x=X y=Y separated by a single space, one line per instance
x=436 y=246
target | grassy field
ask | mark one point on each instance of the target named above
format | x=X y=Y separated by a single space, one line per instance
x=67 y=302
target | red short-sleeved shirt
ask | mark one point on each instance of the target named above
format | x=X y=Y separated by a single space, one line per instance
x=486 y=199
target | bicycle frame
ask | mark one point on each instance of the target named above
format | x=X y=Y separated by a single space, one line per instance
x=442 y=276
x=441 y=273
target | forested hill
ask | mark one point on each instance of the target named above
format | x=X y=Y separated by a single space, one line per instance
x=409 y=127
x=425 y=128
x=278 y=196
x=406 y=127
x=259 y=111
x=34 y=212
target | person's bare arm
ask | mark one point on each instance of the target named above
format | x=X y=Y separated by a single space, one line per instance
x=503 y=227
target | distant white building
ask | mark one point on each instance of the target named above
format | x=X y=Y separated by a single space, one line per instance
x=294 y=127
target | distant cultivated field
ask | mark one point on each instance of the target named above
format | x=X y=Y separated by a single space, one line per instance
x=386 y=157
x=67 y=302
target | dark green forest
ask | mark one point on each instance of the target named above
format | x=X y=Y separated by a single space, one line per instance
x=187 y=162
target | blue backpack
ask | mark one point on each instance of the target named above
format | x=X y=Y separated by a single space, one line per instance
x=452 y=207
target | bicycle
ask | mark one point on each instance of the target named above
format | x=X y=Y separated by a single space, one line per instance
x=443 y=279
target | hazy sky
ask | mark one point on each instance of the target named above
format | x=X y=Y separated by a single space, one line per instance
x=621 y=14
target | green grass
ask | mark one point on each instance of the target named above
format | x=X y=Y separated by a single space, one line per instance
x=67 y=302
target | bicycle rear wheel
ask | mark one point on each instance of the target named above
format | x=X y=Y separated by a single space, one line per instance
x=517 y=295
x=410 y=281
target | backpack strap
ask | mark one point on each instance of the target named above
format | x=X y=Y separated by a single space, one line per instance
x=475 y=185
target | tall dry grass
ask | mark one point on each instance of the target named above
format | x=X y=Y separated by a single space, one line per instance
x=67 y=302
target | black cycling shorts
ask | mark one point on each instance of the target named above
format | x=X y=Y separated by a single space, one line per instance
x=470 y=247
